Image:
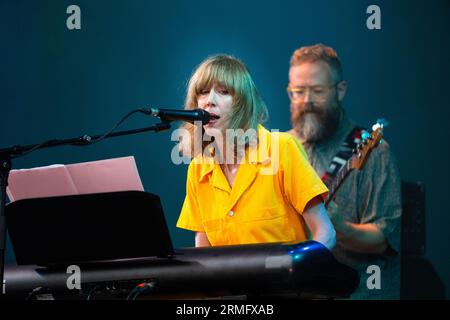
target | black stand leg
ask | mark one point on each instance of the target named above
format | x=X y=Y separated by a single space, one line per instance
x=5 y=167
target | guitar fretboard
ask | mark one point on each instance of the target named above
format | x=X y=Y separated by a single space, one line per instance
x=337 y=182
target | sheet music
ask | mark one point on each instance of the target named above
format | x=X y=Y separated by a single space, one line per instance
x=118 y=174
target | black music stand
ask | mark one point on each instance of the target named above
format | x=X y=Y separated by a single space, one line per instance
x=88 y=228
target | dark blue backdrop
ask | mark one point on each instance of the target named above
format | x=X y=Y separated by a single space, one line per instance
x=60 y=83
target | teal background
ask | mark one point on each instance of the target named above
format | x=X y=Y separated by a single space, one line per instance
x=57 y=83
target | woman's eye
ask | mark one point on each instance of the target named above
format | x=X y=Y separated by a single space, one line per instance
x=224 y=91
x=203 y=92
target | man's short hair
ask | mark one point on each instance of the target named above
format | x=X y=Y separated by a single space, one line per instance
x=319 y=52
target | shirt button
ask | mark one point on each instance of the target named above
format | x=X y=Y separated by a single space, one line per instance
x=231 y=213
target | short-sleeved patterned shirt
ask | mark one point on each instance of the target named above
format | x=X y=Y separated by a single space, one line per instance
x=371 y=195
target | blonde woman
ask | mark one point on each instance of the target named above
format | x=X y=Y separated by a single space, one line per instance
x=231 y=200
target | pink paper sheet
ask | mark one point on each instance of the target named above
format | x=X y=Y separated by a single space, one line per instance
x=119 y=174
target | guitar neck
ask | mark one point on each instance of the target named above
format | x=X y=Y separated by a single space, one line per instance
x=357 y=160
x=338 y=181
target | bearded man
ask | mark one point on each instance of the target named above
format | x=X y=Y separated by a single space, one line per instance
x=367 y=208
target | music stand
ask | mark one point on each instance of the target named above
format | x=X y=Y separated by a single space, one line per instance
x=88 y=228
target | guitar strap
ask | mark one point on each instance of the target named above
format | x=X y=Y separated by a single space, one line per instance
x=344 y=154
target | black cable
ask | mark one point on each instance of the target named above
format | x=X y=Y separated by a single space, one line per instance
x=141 y=288
x=40 y=145
x=132 y=293
x=141 y=110
x=91 y=292
x=86 y=140
x=34 y=293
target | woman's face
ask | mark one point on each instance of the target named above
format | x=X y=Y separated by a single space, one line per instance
x=217 y=101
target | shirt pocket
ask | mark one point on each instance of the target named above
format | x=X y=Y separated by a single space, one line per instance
x=213 y=229
x=269 y=224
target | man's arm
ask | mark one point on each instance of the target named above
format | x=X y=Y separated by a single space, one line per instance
x=316 y=218
x=379 y=204
x=365 y=238
x=362 y=238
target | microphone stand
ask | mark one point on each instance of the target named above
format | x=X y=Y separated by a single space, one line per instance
x=7 y=154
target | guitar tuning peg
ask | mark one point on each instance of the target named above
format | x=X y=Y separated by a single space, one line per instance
x=383 y=122
x=365 y=135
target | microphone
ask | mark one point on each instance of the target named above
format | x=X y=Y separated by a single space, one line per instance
x=183 y=115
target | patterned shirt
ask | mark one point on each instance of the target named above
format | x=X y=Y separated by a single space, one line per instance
x=371 y=195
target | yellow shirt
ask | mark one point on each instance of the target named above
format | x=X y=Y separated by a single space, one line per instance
x=266 y=201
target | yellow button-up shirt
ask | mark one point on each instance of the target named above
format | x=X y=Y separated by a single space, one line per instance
x=268 y=196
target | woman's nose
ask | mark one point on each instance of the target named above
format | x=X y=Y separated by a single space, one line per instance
x=212 y=97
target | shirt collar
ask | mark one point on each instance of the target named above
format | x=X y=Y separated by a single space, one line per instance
x=259 y=154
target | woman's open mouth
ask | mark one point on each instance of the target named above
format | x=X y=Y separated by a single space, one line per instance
x=213 y=119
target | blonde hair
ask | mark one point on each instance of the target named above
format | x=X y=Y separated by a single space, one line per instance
x=248 y=108
x=319 y=52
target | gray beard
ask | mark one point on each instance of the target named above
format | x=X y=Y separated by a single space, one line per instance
x=315 y=127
